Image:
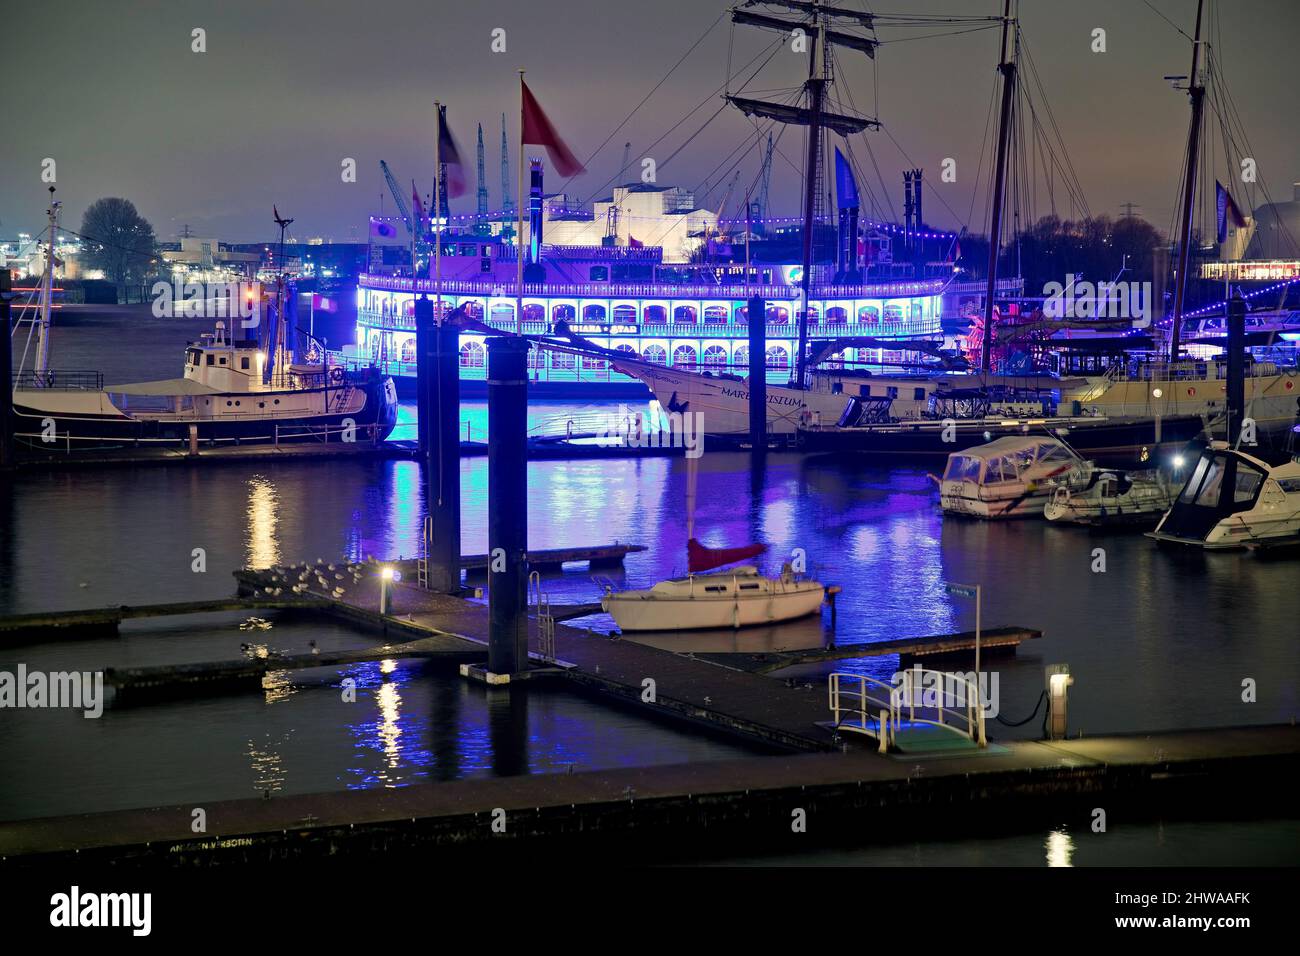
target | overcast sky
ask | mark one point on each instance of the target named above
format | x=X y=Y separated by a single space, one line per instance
x=289 y=88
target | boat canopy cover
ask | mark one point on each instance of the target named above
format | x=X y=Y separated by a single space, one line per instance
x=701 y=558
x=167 y=386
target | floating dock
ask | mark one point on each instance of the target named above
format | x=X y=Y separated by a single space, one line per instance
x=663 y=813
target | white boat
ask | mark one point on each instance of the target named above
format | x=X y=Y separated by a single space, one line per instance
x=1110 y=497
x=1008 y=478
x=740 y=597
x=1234 y=500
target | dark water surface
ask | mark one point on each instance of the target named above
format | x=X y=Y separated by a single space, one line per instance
x=1159 y=640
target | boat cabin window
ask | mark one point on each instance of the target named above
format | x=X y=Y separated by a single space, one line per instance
x=243 y=363
x=864 y=391
x=749 y=587
x=1247 y=485
x=212 y=359
x=193 y=356
x=1289 y=485
x=891 y=391
x=715 y=587
x=918 y=394
x=223 y=360
x=962 y=468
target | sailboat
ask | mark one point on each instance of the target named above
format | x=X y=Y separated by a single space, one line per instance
x=733 y=598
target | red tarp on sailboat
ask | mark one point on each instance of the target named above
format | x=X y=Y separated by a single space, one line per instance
x=701 y=558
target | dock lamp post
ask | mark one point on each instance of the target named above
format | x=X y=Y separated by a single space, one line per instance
x=973 y=591
x=385 y=590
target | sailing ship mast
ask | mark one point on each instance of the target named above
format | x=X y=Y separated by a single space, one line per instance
x=41 y=360
x=818 y=28
x=1007 y=67
x=1197 y=92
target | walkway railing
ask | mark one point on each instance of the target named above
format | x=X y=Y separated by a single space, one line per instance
x=870 y=706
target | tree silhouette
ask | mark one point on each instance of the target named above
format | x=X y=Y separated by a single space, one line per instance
x=118 y=240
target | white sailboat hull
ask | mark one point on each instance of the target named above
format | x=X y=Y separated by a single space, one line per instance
x=705 y=602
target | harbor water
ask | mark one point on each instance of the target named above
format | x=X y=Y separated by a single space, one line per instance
x=1155 y=639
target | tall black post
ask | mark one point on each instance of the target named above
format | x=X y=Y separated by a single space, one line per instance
x=7 y=370
x=444 y=455
x=756 y=310
x=507 y=373
x=1236 y=366
x=424 y=374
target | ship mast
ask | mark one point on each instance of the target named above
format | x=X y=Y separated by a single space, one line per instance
x=1197 y=93
x=41 y=360
x=821 y=18
x=1007 y=67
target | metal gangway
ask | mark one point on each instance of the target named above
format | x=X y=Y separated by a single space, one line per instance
x=876 y=708
x=545 y=619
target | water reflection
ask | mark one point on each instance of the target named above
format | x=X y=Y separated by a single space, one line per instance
x=1060 y=848
x=263 y=547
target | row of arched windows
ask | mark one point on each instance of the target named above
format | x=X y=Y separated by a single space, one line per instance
x=597 y=314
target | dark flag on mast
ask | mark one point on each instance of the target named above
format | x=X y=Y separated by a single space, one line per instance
x=449 y=157
x=537 y=129
x=1226 y=207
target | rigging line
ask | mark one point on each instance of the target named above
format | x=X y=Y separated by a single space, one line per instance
x=931 y=36
x=771 y=51
x=871 y=153
x=1066 y=167
x=1165 y=18
x=979 y=169
x=655 y=89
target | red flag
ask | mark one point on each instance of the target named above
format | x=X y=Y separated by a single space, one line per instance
x=699 y=558
x=537 y=129
x=449 y=157
x=633 y=243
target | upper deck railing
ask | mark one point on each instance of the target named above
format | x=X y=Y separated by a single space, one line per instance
x=655 y=290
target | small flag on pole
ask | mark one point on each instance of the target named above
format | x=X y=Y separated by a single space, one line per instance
x=449 y=156
x=633 y=243
x=1225 y=207
x=537 y=129
x=382 y=230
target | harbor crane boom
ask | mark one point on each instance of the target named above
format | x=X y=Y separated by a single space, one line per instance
x=393 y=188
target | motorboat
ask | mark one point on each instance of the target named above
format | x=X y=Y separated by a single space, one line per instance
x=1008 y=478
x=1234 y=500
x=227 y=395
x=736 y=598
x=1110 y=497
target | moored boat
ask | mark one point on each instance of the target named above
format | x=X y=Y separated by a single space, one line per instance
x=740 y=597
x=1234 y=500
x=1110 y=497
x=1008 y=478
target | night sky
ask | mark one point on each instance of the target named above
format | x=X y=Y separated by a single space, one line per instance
x=289 y=88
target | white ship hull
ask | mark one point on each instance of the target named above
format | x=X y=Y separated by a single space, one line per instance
x=723 y=403
x=709 y=601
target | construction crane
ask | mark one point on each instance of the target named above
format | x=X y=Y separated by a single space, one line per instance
x=506 y=204
x=396 y=190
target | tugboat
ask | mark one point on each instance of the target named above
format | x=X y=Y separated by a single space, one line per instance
x=227 y=396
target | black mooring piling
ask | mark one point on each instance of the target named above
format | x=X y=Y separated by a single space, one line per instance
x=756 y=315
x=444 y=487
x=507 y=382
x=6 y=368
x=424 y=376
x=1236 y=366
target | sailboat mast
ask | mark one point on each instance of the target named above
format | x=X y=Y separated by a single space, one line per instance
x=816 y=87
x=1197 y=92
x=1007 y=67
x=42 y=358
